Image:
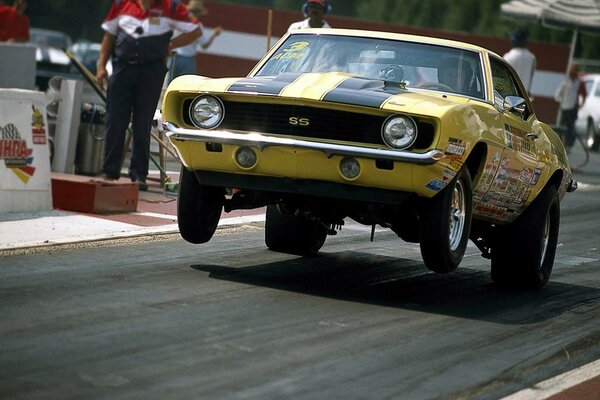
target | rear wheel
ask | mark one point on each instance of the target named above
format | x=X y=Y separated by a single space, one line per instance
x=198 y=208
x=293 y=234
x=523 y=255
x=445 y=225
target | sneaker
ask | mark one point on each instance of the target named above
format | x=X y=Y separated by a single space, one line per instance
x=143 y=186
x=109 y=177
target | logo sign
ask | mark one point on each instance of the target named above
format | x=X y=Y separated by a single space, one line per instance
x=298 y=121
x=15 y=153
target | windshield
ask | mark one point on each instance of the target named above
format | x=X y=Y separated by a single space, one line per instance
x=416 y=65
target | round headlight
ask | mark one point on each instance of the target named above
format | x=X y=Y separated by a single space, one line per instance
x=206 y=112
x=399 y=131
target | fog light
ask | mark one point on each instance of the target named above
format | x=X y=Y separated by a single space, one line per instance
x=245 y=157
x=349 y=167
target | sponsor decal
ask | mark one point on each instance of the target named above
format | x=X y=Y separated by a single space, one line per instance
x=517 y=140
x=455 y=147
x=448 y=175
x=454 y=154
x=436 y=185
x=38 y=129
x=454 y=164
x=15 y=153
x=536 y=176
x=491 y=210
x=293 y=52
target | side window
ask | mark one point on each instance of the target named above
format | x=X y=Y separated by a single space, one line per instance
x=597 y=94
x=505 y=84
x=503 y=81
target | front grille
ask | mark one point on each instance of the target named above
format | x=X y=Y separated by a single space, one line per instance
x=322 y=123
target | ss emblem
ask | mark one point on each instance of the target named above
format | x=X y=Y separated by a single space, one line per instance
x=297 y=121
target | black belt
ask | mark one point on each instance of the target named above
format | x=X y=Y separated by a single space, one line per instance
x=136 y=62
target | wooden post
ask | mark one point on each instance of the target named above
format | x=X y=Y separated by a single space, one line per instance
x=269 y=29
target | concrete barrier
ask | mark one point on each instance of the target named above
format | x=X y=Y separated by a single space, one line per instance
x=24 y=152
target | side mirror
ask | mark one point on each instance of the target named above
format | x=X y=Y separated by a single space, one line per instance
x=515 y=104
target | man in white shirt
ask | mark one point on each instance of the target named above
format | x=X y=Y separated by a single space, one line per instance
x=569 y=94
x=520 y=58
x=184 y=62
x=314 y=11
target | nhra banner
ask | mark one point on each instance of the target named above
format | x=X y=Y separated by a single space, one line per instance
x=24 y=152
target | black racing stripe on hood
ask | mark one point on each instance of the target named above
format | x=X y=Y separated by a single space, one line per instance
x=269 y=85
x=360 y=92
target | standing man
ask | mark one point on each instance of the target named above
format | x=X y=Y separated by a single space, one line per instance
x=568 y=95
x=520 y=58
x=183 y=62
x=138 y=37
x=14 y=24
x=314 y=11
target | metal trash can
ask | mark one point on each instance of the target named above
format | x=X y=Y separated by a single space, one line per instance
x=90 y=140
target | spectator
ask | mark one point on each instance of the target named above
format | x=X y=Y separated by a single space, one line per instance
x=314 y=11
x=184 y=61
x=14 y=24
x=520 y=58
x=138 y=36
x=569 y=94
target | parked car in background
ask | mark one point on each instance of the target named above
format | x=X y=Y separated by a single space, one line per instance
x=50 y=58
x=435 y=140
x=588 y=118
x=88 y=53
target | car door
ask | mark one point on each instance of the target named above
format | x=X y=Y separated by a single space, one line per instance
x=519 y=167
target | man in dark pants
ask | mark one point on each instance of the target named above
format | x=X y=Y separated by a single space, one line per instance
x=569 y=95
x=138 y=36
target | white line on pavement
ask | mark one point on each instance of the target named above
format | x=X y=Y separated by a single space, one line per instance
x=552 y=386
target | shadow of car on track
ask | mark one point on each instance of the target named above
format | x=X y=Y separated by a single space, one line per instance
x=406 y=284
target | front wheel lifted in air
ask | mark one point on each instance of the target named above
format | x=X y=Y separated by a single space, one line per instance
x=198 y=208
x=445 y=224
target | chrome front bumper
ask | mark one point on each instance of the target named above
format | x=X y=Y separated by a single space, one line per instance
x=262 y=141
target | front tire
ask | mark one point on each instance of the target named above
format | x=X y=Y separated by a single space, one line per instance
x=198 y=208
x=523 y=255
x=445 y=225
x=293 y=234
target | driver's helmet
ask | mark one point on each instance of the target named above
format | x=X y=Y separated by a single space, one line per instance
x=455 y=73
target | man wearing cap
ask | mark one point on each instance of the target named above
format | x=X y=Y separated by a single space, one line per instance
x=520 y=58
x=14 y=24
x=314 y=11
x=184 y=60
x=138 y=36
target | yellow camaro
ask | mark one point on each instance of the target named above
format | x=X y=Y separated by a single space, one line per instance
x=434 y=139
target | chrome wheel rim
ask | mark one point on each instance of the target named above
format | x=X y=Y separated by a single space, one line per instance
x=545 y=239
x=457 y=215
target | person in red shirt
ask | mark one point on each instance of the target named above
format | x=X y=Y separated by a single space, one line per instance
x=14 y=24
x=139 y=37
